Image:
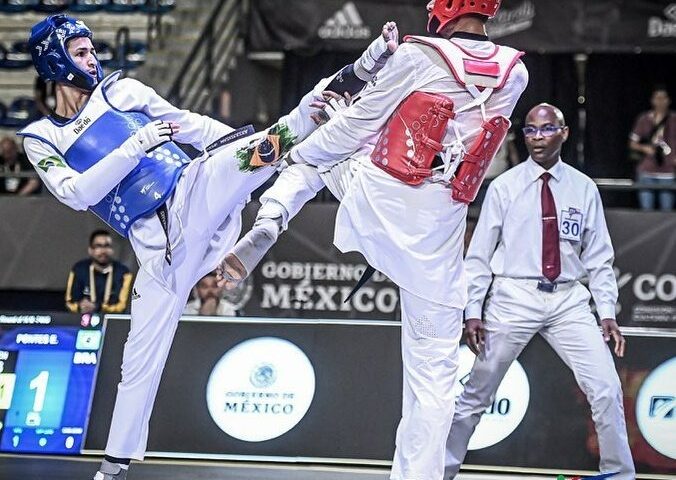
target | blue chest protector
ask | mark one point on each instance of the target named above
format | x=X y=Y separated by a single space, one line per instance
x=146 y=187
x=104 y=128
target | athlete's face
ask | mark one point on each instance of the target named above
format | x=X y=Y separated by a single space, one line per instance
x=83 y=54
x=545 y=133
x=101 y=249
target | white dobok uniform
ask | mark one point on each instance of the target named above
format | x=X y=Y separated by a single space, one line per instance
x=506 y=249
x=414 y=235
x=204 y=223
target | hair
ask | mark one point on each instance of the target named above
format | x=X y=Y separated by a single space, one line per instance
x=659 y=87
x=98 y=233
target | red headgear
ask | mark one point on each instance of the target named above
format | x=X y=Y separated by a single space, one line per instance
x=445 y=11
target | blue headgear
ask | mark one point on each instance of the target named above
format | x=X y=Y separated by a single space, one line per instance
x=52 y=61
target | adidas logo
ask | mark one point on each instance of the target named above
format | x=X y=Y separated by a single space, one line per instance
x=346 y=23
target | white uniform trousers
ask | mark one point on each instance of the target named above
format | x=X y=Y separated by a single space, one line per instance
x=430 y=336
x=204 y=223
x=515 y=311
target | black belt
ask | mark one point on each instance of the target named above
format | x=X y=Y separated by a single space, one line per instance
x=368 y=273
x=241 y=132
x=163 y=215
x=550 y=287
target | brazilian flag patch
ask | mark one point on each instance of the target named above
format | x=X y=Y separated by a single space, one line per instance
x=51 y=161
x=268 y=150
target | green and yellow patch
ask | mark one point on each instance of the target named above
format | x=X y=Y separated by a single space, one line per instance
x=268 y=150
x=51 y=161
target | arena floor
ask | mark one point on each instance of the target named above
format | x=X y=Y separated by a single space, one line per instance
x=25 y=467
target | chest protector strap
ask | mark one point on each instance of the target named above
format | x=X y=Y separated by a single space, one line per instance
x=412 y=137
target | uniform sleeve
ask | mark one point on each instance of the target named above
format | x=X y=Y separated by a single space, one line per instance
x=354 y=126
x=79 y=190
x=122 y=296
x=481 y=248
x=71 y=304
x=597 y=257
x=198 y=130
x=295 y=186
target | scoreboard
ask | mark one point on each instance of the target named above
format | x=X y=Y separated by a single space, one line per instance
x=47 y=367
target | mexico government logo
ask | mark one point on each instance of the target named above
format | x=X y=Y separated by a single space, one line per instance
x=260 y=389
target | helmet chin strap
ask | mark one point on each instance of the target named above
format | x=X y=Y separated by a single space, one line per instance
x=83 y=82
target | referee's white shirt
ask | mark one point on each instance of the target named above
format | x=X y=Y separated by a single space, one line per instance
x=507 y=241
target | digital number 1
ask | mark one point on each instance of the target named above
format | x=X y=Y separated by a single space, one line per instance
x=39 y=384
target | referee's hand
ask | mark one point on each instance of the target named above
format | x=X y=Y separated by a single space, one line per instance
x=610 y=329
x=475 y=334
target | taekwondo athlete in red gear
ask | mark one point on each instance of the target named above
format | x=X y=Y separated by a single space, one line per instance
x=405 y=207
x=110 y=148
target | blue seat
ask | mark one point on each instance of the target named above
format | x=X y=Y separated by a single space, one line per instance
x=52 y=6
x=3 y=56
x=135 y=54
x=21 y=112
x=3 y=113
x=127 y=53
x=88 y=5
x=18 y=56
x=158 y=6
x=104 y=53
x=17 y=6
x=124 y=6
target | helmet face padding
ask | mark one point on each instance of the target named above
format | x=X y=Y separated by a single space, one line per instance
x=48 y=44
x=445 y=11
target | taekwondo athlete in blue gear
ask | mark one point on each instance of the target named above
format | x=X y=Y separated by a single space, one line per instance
x=109 y=148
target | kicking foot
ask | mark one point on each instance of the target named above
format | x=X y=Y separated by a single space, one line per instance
x=230 y=272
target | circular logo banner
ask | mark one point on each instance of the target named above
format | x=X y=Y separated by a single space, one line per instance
x=260 y=389
x=508 y=408
x=656 y=408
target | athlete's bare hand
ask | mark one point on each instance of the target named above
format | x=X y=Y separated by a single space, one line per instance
x=328 y=105
x=391 y=36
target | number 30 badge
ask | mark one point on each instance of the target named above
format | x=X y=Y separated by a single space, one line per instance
x=570 y=227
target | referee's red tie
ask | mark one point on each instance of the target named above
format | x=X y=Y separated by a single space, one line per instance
x=551 y=255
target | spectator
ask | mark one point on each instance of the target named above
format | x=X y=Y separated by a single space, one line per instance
x=653 y=140
x=98 y=283
x=209 y=299
x=13 y=161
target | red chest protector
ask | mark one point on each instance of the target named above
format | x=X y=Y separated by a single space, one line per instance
x=412 y=137
x=413 y=134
